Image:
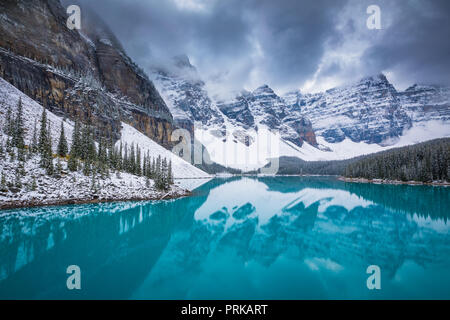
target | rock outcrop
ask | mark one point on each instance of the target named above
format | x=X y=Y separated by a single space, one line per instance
x=82 y=74
x=368 y=111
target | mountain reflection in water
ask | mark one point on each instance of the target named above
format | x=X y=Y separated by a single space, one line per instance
x=237 y=238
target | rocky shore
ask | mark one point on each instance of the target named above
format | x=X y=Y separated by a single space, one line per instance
x=381 y=181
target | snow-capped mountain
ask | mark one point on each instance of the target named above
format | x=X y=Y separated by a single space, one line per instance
x=263 y=107
x=369 y=111
x=86 y=75
x=185 y=94
x=426 y=103
x=242 y=132
x=367 y=116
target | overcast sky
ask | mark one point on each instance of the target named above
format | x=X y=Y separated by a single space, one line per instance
x=288 y=44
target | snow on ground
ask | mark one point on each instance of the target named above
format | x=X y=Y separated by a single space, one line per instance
x=423 y=131
x=32 y=111
x=181 y=168
x=73 y=187
x=231 y=152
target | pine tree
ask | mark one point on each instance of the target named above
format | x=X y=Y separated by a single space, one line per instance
x=120 y=158
x=43 y=135
x=153 y=168
x=9 y=122
x=33 y=184
x=18 y=182
x=34 y=143
x=144 y=167
x=3 y=183
x=87 y=167
x=62 y=144
x=170 y=174
x=138 y=168
x=45 y=145
x=75 y=150
x=132 y=161
x=18 y=132
x=58 y=169
x=125 y=164
x=164 y=174
x=72 y=164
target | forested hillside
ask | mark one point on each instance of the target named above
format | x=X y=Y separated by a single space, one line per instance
x=296 y=166
x=424 y=162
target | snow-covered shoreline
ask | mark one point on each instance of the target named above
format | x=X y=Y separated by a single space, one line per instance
x=38 y=189
x=62 y=202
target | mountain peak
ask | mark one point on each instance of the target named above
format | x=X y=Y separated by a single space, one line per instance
x=380 y=77
x=182 y=61
x=263 y=89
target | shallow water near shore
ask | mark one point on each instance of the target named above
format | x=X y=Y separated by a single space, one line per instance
x=236 y=238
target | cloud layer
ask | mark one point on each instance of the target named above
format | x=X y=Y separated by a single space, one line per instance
x=288 y=44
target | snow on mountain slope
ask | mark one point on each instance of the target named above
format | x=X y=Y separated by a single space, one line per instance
x=231 y=152
x=181 y=168
x=34 y=187
x=426 y=103
x=185 y=94
x=32 y=111
x=368 y=110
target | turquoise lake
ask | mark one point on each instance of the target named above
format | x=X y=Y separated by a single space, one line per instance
x=236 y=238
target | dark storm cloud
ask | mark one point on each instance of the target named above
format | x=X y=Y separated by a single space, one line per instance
x=283 y=43
x=416 y=46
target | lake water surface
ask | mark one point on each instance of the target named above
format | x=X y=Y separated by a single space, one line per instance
x=236 y=238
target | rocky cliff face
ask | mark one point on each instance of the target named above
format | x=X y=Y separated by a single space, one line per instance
x=368 y=111
x=83 y=75
x=425 y=103
x=190 y=103
x=264 y=107
x=185 y=94
x=371 y=110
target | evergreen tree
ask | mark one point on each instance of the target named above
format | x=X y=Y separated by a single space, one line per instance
x=87 y=167
x=58 y=169
x=33 y=184
x=120 y=158
x=132 y=161
x=138 y=168
x=18 y=131
x=34 y=143
x=164 y=174
x=170 y=174
x=75 y=150
x=43 y=135
x=72 y=164
x=18 y=182
x=423 y=162
x=3 y=183
x=45 y=145
x=9 y=122
x=62 y=144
